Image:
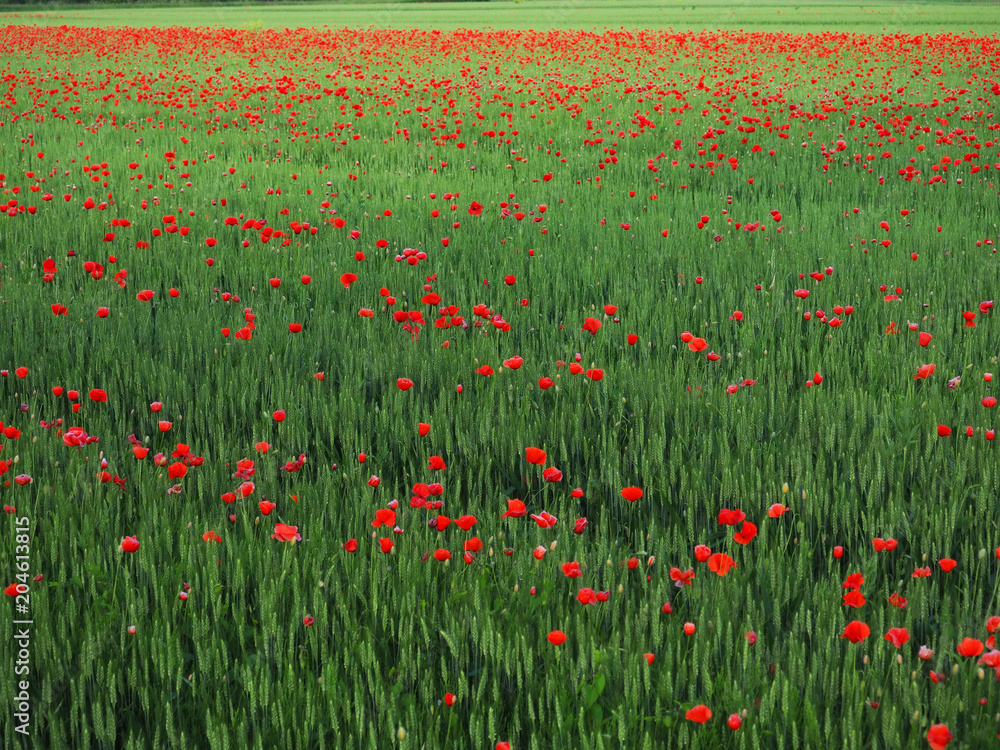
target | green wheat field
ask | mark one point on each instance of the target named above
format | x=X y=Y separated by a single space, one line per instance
x=507 y=375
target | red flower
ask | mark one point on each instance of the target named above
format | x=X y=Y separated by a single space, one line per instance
x=970 y=647
x=515 y=509
x=748 y=532
x=854 y=599
x=729 y=517
x=897 y=636
x=552 y=474
x=572 y=569
x=557 y=637
x=130 y=544
x=938 y=736
x=682 y=578
x=720 y=563
x=285 y=533
x=632 y=494
x=699 y=714
x=856 y=631
x=535 y=456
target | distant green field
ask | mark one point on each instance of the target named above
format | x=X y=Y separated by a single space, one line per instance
x=550 y=14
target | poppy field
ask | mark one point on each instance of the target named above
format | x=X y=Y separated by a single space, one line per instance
x=499 y=389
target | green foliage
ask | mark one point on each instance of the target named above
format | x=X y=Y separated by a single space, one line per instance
x=235 y=667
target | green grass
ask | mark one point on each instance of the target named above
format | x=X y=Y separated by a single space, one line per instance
x=801 y=17
x=856 y=457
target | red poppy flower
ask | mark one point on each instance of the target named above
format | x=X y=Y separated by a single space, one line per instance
x=572 y=569
x=748 y=532
x=552 y=474
x=699 y=714
x=720 y=563
x=897 y=636
x=856 y=631
x=515 y=509
x=729 y=517
x=535 y=456
x=130 y=544
x=682 y=577
x=938 y=736
x=970 y=647
x=854 y=599
x=286 y=533
x=557 y=637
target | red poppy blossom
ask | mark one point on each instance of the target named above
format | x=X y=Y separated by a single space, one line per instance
x=535 y=456
x=856 y=631
x=938 y=736
x=552 y=474
x=720 y=563
x=285 y=533
x=130 y=544
x=970 y=647
x=897 y=636
x=632 y=493
x=699 y=714
x=515 y=509
x=748 y=532
x=729 y=517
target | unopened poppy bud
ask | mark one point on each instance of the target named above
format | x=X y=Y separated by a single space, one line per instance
x=899 y=659
x=516 y=587
x=552 y=547
x=980 y=673
x=490 y=553
x=401 y=734
x=865 y=660
x=784 y=487
x=954 y=670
